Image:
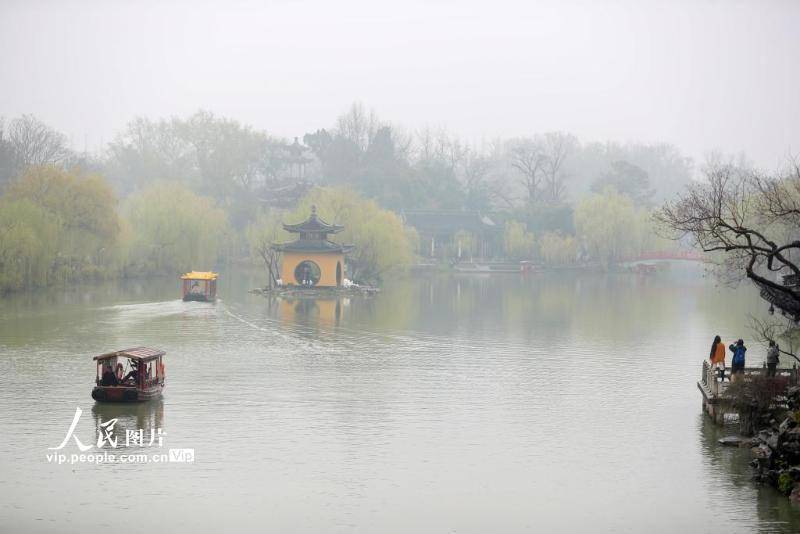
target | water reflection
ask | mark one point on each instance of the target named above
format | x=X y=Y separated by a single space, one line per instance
x=311 y=311
x=561 y=400
x=131 y=418
x=729 y=476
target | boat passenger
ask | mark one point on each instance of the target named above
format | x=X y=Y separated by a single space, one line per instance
x=109 y=378
x=134 y=372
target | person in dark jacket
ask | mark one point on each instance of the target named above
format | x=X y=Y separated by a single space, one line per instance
x=134 y=372
x=109 y=378
x=772 y=358
x=737 y=362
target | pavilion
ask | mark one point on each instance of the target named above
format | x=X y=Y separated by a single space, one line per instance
x=312 y=260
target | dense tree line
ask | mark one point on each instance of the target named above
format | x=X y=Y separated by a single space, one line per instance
x=58 y=226
x=435 y=169
x=232 y=163
x=170 y=194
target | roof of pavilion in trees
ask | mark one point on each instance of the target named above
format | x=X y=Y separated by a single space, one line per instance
x=449 y=222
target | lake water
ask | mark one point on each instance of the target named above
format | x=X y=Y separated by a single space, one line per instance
x=546 y=403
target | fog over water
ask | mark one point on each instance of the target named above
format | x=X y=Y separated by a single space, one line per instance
x=702 y=75
x=546 y=403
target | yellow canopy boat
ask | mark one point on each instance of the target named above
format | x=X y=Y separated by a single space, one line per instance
x=200 y=285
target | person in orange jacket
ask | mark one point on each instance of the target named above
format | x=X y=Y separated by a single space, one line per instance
x=717 y=357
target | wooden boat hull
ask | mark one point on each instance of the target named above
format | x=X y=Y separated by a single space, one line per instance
x=125 y=394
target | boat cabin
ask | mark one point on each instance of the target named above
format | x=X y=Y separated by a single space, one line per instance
x=129 y=375
x=200 y=285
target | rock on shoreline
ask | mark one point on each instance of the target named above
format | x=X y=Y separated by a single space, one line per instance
x=735 y=441
x=776 y=452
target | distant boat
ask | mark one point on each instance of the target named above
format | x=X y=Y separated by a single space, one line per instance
x=130 y=375
x=200 y=285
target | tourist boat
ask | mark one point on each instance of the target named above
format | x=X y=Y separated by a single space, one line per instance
x=200 y=285
x=130 y=375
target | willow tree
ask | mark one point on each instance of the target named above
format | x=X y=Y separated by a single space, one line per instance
x=27 y=238
x=175 y=230
x=518 y=243
x=558 y=250
x=382 y=242
x=83 y=210
x=611 y=226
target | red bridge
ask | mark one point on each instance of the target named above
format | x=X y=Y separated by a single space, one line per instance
x=669 y=255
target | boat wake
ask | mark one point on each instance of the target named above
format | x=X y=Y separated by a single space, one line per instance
x=122 y=314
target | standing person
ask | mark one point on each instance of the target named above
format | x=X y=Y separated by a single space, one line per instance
x=737 y=362
x=772 y=358
x=717 y=357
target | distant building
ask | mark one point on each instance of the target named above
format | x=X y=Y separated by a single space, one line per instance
x=289 y=182
x=439 y=229
x=297 y=160
x=312 y=260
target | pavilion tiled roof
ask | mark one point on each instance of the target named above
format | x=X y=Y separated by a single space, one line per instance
x=137 y=353
x=313 y=225
x=313 y=236
x=448 y=221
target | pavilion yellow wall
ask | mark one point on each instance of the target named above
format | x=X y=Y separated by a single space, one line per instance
x=326 y=262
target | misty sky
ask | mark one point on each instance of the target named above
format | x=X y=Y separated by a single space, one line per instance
x=700 y=74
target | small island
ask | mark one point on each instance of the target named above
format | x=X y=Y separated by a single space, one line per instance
x=312 y=265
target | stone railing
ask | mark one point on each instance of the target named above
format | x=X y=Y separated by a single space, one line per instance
x=709 y=376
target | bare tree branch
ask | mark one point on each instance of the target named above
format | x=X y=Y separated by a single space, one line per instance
x=751 y=219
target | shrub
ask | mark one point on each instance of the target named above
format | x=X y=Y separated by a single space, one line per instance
x=785 y=483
